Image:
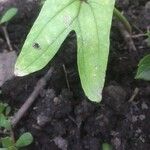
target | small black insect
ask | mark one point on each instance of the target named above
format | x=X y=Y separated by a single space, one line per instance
x=36 y=46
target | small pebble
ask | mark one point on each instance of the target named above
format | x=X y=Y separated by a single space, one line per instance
x=117 y=143
x=42 y=120
x=144 y=106
x=61 y=143
x=142 y=139
x=141 y=117
x=134 y=118
x=57 y=100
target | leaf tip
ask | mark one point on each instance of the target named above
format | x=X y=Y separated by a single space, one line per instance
x=19 y=73
x=95 y=97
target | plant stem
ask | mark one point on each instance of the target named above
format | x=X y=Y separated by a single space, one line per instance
x=4 y=28
x=123 y=20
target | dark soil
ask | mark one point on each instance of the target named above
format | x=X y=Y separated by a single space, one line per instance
x=63 y=119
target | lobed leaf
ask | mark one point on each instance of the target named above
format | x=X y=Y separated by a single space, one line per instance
x=91 y=20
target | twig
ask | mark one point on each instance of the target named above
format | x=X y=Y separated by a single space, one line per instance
x=66 y=76
x=127 y=37
x=142 y=34
x=136 y=91
x=139 y=35
x=4 y=28
x=40 y=85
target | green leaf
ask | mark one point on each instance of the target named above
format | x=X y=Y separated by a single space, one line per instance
x=144 y=69
x=93 y=29
x=106 y=146
x=91 y=20
x=7 y=142
x=4 y=122
x=9 y=14
x=24 y=140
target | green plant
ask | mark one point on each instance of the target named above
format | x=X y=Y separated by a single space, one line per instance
x=24 y=140
x=8 y=15
x=8 y=142
x=143 y=71
x=4 y=120
x=91 y=20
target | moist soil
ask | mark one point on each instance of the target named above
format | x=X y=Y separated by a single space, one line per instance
x=62 y=119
